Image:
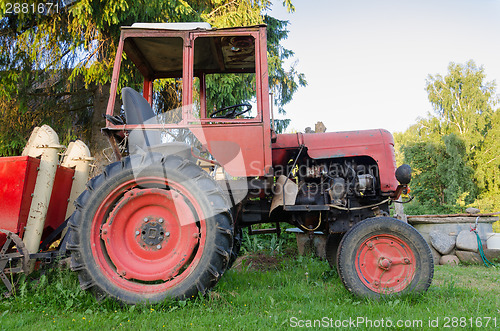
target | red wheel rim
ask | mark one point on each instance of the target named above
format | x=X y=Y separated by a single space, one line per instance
x=147 y=240
x=385 y=264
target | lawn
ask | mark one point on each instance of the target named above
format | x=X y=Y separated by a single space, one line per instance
x=263 y=291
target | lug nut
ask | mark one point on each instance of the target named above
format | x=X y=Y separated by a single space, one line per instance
x=137 y=233
x=160 y=220
x=145 y=219
x=159 y=246
x=167 y=234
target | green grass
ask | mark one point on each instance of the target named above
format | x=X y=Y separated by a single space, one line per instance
x=254 y=295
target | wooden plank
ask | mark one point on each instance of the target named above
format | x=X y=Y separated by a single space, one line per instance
x=451 y=219
x=454 y=215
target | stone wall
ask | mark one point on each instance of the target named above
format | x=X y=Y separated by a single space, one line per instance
x=451 y=239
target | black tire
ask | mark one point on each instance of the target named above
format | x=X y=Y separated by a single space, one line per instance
x=383 y=256
x=181 y=199
x=332 y=246
x=237 y=242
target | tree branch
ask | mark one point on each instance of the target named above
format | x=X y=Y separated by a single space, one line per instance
x=219 y=8
x=492 y=160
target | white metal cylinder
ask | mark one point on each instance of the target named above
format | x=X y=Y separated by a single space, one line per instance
x=43 y=142
x=77 y=156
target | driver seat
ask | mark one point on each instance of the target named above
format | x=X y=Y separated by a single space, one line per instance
x=138 y=111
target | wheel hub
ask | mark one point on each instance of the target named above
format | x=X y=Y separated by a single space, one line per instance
x=384 y=263
x=152 y=234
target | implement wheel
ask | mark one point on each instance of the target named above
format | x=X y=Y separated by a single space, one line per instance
x=14 y=258
x=150 y=228
x=384 y=256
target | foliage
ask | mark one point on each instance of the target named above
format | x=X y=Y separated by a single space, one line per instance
x=229 y=89
x=271 y=243
x=35 y=52
x=463 y=103
x=441 y=177
x=46 y=57
x=487 y=171
x=454 y=153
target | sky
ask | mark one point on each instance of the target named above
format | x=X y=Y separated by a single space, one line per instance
x=367 y=61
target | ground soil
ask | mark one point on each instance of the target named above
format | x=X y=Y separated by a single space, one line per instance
x=258 y=262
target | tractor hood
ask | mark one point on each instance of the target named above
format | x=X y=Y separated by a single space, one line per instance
x=377 y=144
x=349 y=143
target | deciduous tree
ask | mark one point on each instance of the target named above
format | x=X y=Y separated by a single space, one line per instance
x=455 y=152
x=463 y=101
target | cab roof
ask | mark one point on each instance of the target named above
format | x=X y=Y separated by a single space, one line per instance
x=171 y=26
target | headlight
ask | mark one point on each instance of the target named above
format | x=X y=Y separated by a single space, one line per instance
x=403 y=174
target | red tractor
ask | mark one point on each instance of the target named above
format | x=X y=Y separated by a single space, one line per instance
x=165 y=220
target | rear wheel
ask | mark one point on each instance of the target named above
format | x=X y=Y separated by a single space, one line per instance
x=237 y=242
x=150 y=228
x=384 y=256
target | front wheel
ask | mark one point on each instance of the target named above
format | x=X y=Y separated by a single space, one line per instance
x=384 y=256
x=151 y=227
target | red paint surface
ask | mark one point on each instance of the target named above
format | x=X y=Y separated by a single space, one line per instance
x=385 y=264
x=58 y=204
x=18 y=178
x=17 y=182
x=122 y=234
x=239 y=148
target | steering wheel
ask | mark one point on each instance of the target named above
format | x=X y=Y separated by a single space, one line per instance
x=232 y=113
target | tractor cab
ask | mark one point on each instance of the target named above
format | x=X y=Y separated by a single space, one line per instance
x=188 y=72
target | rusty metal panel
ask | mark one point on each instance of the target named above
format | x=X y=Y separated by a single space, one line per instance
x=17 y=182
x=238 y=148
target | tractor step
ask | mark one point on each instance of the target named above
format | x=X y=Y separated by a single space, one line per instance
x=263 y=231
